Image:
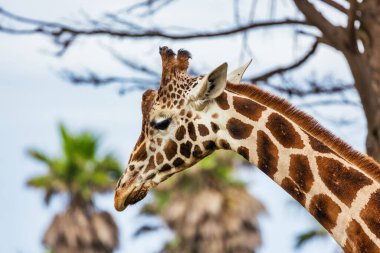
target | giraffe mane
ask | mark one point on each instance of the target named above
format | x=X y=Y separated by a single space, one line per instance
x=310 y=125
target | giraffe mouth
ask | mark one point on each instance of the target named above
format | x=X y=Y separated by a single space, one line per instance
x=123 y=197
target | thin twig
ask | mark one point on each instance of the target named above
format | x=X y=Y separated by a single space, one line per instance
x=315 y=18
x=335 y=5
x=281 y=70
x=313 y=89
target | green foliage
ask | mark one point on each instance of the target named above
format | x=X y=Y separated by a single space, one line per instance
x=215 y=170
x=208 y=208
x=310 y=235
x=80 y=171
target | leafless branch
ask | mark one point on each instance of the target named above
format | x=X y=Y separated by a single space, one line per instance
x=327 y=102
x=133 y=65
x=336 y=5
x=91 y=78
x=351 y=26
x=146 y=33
x=65 y=35
x=314 y=17
x=292 y=66
x=313 y=88
x=338 y=121
x=152 y=6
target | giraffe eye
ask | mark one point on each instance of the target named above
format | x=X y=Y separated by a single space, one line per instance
x=162 y=125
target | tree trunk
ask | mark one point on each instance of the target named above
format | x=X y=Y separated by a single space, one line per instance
x=366 y=72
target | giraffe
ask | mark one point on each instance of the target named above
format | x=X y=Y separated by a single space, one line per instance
x=188 y=118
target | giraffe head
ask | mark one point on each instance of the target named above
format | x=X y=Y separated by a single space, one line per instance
x=176 y=132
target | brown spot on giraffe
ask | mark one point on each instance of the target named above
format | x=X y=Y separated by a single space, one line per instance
x=224 y=144
x=185 y=149
x=166 y=167
x=178 y=162
x=238 y=129
x=209 y=145
x=342 y=181
x=284 y=131
x=318 y=146
x=294 y=190
x=140 y=154
x=150 y=165
x=170 y=149
x=222 y=101
x=203 y=130
x=300 y=172
x=159 y=158
x=371 y=213
x=267 y=153
x=325 y=210
x=215 y=128
x=191 y=131
x=180 y=133
x=197 y=152
x=244 y=152
x=358 y=241
x=138 y=143
x=248 y=108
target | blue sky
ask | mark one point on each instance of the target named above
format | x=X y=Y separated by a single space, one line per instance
x=33 y=100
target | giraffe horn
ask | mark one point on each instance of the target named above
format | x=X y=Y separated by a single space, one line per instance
x=183 y=57
x=236 y=75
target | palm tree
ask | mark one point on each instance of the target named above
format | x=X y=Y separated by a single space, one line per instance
x=79 y=173
x=312 y=234
x=208 y=209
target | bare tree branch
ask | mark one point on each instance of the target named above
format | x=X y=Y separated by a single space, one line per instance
x=91 y=78
x=336 y=5
x=351 y=26
x=133 y=65
x=314 y=17
x=146 y=33
x=327 y=102
x=152 y=6
x=65 y=35
x=313 y=88
x=281 y=70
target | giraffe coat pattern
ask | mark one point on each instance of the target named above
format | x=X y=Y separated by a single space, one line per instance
x=188 y=118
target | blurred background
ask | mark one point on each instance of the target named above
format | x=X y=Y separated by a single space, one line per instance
x=71 y=78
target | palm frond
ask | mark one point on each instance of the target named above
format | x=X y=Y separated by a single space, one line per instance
x=80 y=169
x=310 y=235
x=39 y=156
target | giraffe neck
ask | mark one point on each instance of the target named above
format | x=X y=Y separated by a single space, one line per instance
x=343 y=197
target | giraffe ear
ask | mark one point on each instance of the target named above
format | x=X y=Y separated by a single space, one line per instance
x=236 y=75
x=211 y=85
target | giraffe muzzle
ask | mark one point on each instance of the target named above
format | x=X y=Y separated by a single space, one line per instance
x=125 y=197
